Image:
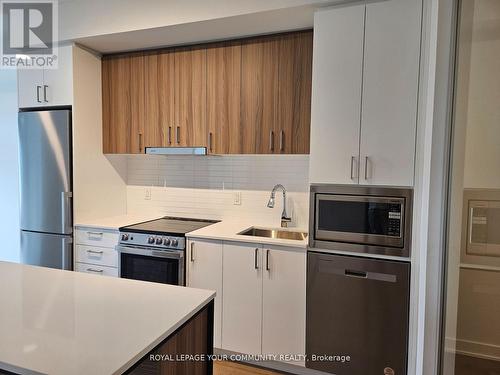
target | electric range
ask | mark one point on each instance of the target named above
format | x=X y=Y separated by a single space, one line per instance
x=155 y=250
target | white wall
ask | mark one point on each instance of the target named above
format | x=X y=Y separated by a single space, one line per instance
x=9 y=167
x=98 y=181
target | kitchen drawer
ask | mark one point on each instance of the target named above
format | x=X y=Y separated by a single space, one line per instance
x=96 y=270
x=96 y=237
x=104 y=256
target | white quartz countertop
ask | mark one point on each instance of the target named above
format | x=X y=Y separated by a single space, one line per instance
x=61 y=322
x=227 y=230
x=114 y=222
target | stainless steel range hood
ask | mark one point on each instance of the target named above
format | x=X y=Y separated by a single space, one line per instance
x=176 y=150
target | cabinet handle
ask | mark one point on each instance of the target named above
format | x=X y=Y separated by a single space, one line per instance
x=178 y=134
x=169 y=135
x=282 y=138
x=192 y=252
x=95 y=252
x=271 y=141
x=45 y=87
x=94 y=270
x=366 y=167
x=267 y=260
x=38 y=93
x=210 y=141
x=140 y=143
x=256 y=262
x=95 y=234
x=353 y=161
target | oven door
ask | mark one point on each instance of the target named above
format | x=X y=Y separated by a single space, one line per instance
x=374 y=224
x=159 y=266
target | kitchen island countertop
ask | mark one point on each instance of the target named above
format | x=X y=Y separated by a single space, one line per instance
x=63 y=322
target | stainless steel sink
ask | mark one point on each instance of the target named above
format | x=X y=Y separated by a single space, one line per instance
x=274 y=233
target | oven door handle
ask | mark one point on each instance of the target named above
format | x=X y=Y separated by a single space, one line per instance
x=165 y=254
x=171 y=254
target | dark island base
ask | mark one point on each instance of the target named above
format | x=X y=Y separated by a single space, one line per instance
x=194 y=339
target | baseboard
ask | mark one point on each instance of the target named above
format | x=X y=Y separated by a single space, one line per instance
x=478 y=349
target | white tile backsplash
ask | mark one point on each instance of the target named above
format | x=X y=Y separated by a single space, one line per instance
x=205 y=186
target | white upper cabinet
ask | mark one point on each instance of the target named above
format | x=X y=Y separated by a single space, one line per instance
x=29 y=88
x=336 y=96
x=204 y=271
x=59 y=82
x=390 y=88
x=47 y=87
x=365 y=87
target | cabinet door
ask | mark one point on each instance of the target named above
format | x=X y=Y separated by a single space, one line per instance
x=294 y=90
x=259 y=95
x=190 y=97
x=123 y=104
x=159 y=99
x=30 y=87
x=284 y=301
x=58 y=83
x=336 y=98
x=390 y=88
x=223 y=98
x=242 y=302
x=204 y=271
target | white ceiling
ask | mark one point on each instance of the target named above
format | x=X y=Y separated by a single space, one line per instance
x=124 y=25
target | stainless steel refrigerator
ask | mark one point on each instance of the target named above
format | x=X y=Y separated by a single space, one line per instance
x=46 y=188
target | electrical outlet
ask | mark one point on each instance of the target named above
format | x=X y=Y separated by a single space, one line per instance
x=147 y=194
x=237 y=198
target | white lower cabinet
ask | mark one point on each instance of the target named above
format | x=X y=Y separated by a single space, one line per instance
x=260 y=307
x=204 y=271
x=95 y=252
x=263 y=299
x=284 y=301
x=242 y=299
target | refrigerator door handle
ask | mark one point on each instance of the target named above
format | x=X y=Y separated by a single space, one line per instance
x=66 y=215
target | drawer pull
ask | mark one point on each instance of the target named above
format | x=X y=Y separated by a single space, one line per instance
x=95 y=234
x=94 y=270
x=95 y=252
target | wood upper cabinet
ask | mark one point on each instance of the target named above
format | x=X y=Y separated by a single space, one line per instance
x=190 y=97
x=159 y=100
x=237 y=97
x=294 y=94
x=276 y=75
x=223 y=98
x=259 y=95
x=123 y=104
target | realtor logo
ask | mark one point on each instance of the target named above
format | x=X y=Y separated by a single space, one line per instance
x=29 y=33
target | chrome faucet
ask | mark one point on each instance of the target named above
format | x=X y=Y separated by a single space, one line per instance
x=285 y=219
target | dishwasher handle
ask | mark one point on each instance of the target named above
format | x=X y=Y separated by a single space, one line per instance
x=326 y=267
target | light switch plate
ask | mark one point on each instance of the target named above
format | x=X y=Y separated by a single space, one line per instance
x=237 y=198
x=147 y=194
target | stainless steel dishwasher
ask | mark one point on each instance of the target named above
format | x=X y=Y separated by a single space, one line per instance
x=357 y=315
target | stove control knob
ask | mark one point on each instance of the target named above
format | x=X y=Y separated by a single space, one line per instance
x=174 y=242
x=151 y=240
x=159 y=240
x=166 y=241
x=124 y=237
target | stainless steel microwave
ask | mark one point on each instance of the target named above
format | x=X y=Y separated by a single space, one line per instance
x=363 y=219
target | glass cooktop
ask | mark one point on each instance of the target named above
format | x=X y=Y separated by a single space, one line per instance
x=173 y=226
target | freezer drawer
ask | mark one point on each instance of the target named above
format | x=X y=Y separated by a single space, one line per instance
x=47 y=250
x=357 y=307
x=45 y=171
